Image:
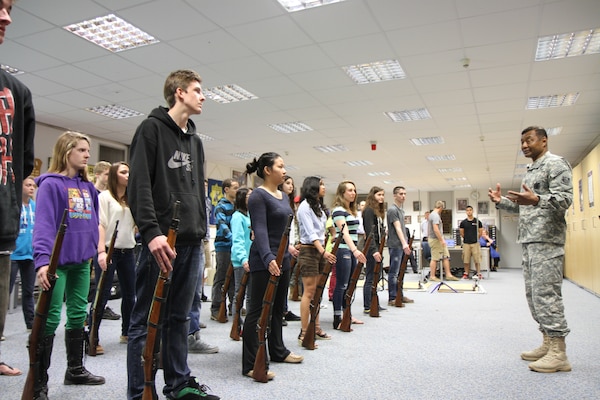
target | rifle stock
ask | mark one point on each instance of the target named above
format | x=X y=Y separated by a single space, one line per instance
x=296 y=290
x=95 y=312
x=222 y=317
x=374 y=308
x=41 y=314
x=239 y=301
x=308 y=341
x=347 y=316
x=400 y=292
x=263 y=326
x=155 y=316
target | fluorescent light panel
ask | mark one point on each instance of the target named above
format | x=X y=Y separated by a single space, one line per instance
x=462 y=186
x=291 y=127
x=568 y=45
x=446 y=157
x=550 y=101
x=331 y=149
x=408 y=115
x=375 y=72
x=299 y=5
x=426 y=141
x=114 y=111
x=11 y=70
x=245 y=155
x=462 y=178
x=359 y=163
x=554 y=131
x=229 y=94
x=379 y=173
x=111 y=33
x=449 y=170
x=205 y=138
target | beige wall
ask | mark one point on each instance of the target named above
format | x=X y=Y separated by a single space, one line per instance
x=582 y=261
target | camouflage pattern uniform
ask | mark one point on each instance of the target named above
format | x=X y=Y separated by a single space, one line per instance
x=542 y=232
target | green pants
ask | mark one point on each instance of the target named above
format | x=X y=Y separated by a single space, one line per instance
x=72 y=286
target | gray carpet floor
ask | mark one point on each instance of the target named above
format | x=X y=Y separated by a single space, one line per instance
x=445 y=346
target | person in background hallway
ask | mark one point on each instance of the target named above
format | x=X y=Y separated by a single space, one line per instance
x=313 y=255
x=373 y=214
x=426 y=250
x=547 y=194
x=439 y=248
x=66 y=186
x=362 y=235
x=269 y=211
x=348 y=253
x=494 y=254
x=471 y=229
x=167 y=165
x=17 y=139
x=22 y=258
x=223 y=212
x=288 y=188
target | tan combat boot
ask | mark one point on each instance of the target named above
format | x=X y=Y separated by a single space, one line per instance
x=556 y=358
x=538 y=353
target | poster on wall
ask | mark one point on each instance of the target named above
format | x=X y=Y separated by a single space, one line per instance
x=590 y=189
x=215 y=193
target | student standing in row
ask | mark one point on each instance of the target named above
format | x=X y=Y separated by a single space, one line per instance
x=373 y=214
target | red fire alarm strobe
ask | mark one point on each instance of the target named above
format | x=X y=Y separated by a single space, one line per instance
x=373 y=145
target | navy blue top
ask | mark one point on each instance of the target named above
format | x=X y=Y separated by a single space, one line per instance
x=268 y=216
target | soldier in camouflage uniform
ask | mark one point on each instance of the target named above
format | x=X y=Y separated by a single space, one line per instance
x=547 y=193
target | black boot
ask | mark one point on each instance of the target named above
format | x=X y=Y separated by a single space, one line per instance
x=337 y=320
x=76 y=373
x=40 y=386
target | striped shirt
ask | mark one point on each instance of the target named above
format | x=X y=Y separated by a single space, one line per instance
x=352 y=222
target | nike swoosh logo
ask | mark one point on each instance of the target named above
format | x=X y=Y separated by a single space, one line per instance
x=173 y=164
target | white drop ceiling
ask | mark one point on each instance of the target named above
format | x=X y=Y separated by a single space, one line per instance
x=293 y=63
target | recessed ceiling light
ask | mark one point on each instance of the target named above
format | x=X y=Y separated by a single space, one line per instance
x=568 y=45
x=331 y=149
x=291 y=127
x=449 y=170
x=245 y=155
x=555 y=100
x=461 y=186
x=359 y=163
x=426 y=141
x=11 y=70
x=388 y=182
x=299 y=5
x=446 y=157
x=408 y=115
x=375 y=72
x=554 y=131
x=456 y=179
x=111 y=33
x=379 y=173
x=229 y=94
x=114 y=111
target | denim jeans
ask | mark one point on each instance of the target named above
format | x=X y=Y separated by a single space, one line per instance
x=184 y=278
x=369 y=269
x=396 y=254
x=197 y=301
x=27 y=271
x=344 y=267
x=123 y=261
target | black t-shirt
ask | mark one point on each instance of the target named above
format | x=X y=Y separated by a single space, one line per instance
x=470 y=230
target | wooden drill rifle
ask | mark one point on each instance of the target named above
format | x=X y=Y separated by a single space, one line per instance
x=308 y=341
x=222 y=317
x=374 y=310
x=263 y=326
x=236 y=328
x=41 y=315
x=400 y=292
x=95 y=312
x=347 y=316
x=151 y=353
x=296 y=289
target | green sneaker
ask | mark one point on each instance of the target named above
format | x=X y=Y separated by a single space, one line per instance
x=195 y=391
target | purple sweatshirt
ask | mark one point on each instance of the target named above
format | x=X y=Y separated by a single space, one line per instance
x=56 y=193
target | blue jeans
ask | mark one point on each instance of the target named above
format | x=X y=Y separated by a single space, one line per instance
x=123 y=261
x=344 y=267
x=369 y=270
x=27 y=271
x=396 y=254
x=197 y=301
x=184 y=279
